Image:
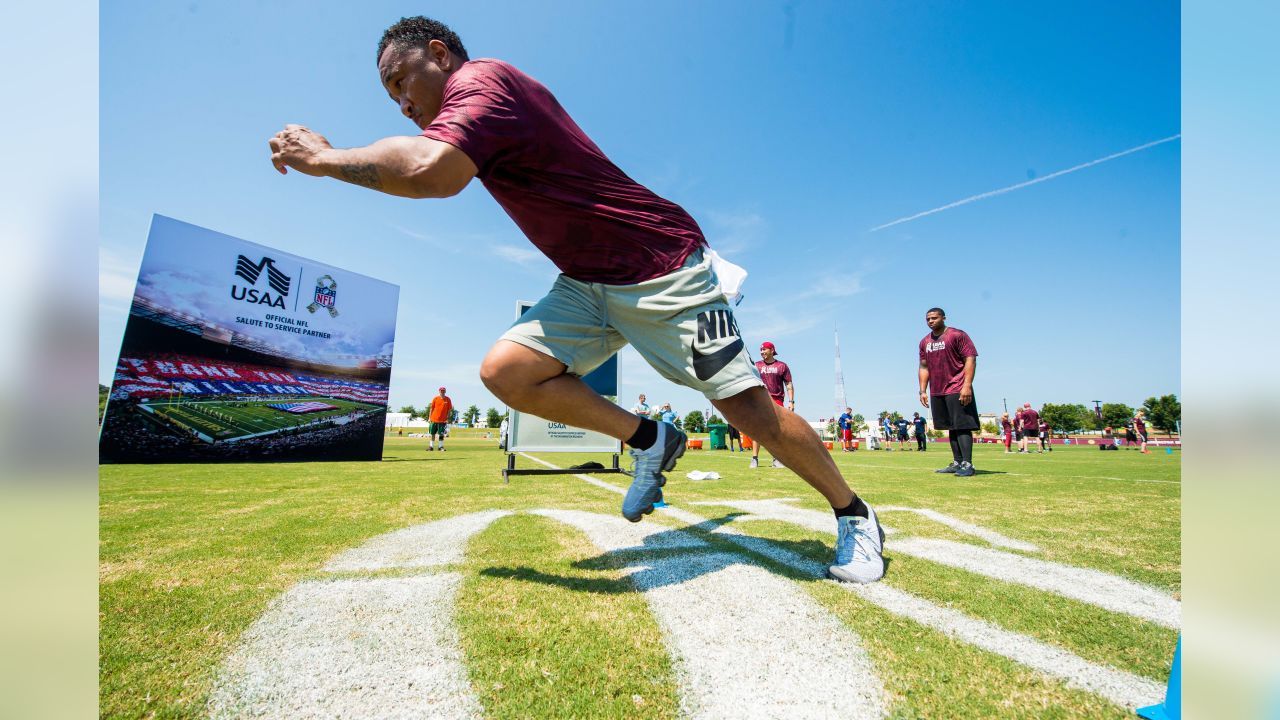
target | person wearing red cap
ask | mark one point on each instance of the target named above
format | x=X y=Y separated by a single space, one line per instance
x=438 y=413
x=777 y=381
x=635 y=268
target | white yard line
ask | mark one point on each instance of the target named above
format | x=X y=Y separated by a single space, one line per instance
x=745 y=642
x=441 y=542
x=368 y=648
x=1094 y=587
x=967 y=528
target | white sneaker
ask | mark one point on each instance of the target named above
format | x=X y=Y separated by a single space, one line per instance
x=778 y=463
x=859 y=549
x=755 y=463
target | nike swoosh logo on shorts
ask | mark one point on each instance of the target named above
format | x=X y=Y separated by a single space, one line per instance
x=706 y=365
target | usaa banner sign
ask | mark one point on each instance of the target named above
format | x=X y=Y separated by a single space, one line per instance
x=236 y=351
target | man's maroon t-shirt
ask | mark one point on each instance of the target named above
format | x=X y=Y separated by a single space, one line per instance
x=1007 y=425
x=944 y=357
x=595 y=223
x=1139 y=426
x=775 y=375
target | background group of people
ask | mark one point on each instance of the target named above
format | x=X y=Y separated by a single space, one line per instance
x=1025 y=426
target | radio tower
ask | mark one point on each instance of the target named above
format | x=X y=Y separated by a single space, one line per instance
x=841 y=401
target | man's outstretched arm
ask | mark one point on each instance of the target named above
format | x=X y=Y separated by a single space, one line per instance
x=412 y=167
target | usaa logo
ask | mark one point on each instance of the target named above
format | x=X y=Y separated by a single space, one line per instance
x=556 y=426
x=251 y=271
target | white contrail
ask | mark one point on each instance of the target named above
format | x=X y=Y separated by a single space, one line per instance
x=1041 y=179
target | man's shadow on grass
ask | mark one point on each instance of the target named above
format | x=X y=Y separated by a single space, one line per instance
x=668 y=558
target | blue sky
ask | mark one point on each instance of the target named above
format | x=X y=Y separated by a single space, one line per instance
x=788 y=130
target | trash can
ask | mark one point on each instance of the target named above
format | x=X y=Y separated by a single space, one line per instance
x=718 y=433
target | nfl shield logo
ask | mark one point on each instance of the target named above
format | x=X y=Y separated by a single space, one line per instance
x=326 y=297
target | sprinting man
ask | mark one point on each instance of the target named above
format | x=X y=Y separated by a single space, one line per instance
x=948 y=361
x=438 y=414
x=641 y=407
x=845 y=425
x=1140 y=429
x=922 y=432
x=635 y=267
x=777 y=381
x=1029 y=421
x=1006 y=427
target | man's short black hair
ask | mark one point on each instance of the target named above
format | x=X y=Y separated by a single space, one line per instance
x=940 y=311
x=419 y=30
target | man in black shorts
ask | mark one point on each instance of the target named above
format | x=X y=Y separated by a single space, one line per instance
x=948 y=360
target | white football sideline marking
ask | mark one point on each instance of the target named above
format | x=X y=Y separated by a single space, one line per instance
x=441 y=542
x=1094 y=587
x=745 y=642
x=361 y=647
x=367 y=648
x=1122 y=688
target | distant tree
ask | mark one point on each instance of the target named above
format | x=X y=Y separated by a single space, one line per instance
x=990 y=428
x=1116 y=415
x=492 y=418
x=1067 y=418
x=1164 y=413
x=859 y=424
x=694 y=423
x=715 y=420
x=413 y=411
x=471 y=416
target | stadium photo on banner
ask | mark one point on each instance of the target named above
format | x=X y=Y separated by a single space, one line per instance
x=235 y=351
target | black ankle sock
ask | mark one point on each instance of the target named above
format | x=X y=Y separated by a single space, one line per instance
x=646 y=435
x=857 y=507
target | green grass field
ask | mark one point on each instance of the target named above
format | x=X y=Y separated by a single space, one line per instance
x=550 y=626
x=225 y=420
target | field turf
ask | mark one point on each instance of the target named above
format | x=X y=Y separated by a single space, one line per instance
x=191 y=555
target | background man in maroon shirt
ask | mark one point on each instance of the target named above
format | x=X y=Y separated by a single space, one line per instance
x=948 y=361
x=635 y=267
x=777 y=382
x=1030 y=421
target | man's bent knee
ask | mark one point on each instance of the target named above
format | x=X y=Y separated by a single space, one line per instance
x=510 y=369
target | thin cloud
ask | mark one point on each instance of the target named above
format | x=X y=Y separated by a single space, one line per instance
x=1021 y=185
x=734 y=233
x=517 y=254
x=833 y=286
x=433 y=241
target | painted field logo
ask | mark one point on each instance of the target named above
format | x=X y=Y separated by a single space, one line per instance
x=326 y=295
x=251 y=272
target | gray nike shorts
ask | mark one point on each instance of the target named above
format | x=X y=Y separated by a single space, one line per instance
x=679 y=323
